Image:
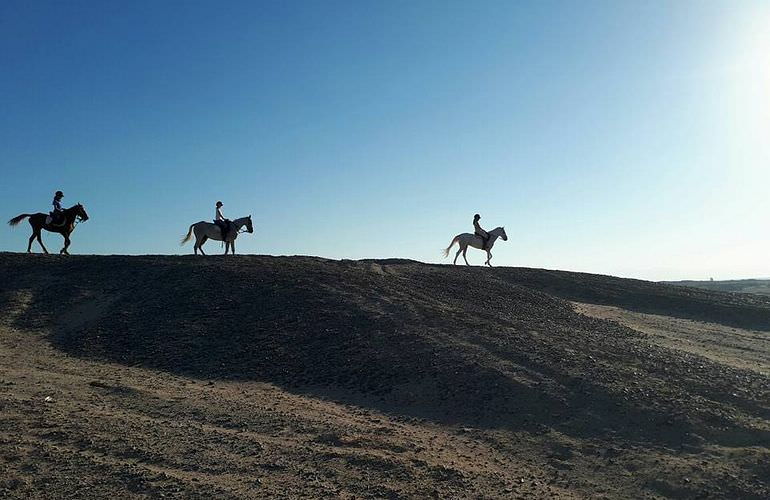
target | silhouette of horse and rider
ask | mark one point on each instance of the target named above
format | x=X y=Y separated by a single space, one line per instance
x=222 y=229
x=63 y=221
x=59 y=220
x=481 y=239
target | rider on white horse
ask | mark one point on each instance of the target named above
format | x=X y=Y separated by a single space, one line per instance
x=480 y=232
x=481 y=239
x=219 y=220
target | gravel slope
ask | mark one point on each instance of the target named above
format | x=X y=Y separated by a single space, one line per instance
x=546 y=401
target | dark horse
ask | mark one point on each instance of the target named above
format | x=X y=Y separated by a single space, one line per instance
x=72 y=216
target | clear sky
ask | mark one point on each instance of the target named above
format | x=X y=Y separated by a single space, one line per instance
x=627 y=138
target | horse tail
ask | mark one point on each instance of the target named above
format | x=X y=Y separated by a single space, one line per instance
x=446 y=250
x=15 y=221
x=189 y=234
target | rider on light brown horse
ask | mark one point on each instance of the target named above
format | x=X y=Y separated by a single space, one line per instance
x=219 y=220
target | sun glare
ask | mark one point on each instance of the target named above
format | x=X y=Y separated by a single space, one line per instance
x=749 y=75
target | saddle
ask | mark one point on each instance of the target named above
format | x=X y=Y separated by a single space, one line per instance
x=484 y=240
x=224 y=226
x=55 y=220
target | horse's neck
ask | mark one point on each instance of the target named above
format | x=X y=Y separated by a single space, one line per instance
x=495 y=233
x=240 y=222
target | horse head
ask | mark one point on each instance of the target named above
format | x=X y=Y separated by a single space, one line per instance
x=244 y=221
x=80 y=211
x=500 y=232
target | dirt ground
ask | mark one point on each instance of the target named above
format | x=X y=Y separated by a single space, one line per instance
x=373 y=379
x=78 y=429
x=737 y=347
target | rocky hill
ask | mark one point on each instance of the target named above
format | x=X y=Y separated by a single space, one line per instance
x=758 y=286
x=473 y=381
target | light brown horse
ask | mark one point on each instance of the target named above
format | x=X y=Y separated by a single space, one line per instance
x=205 y=231
x=72 y=216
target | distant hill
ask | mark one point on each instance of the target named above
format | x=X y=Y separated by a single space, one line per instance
x=758 y=286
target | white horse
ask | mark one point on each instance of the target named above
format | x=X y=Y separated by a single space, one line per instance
x=467 y=239
x=210 y=231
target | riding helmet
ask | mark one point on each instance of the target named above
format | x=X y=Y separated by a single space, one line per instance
x=59 y=193
x=476 y=217
x=219 y=203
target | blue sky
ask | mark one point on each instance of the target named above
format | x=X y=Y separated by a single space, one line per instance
x=625 y=138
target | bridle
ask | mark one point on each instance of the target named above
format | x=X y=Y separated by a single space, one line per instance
x=242 y=230
x=79 y=218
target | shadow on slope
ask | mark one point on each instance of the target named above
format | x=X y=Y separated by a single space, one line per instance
x=458 y=346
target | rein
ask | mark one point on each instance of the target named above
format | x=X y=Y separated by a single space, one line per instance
x=242 y=228
x=78 y=218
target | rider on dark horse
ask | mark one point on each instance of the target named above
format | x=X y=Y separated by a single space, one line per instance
x=61 y=220
x=480 y=232
x=57 y=214
x=219 y=220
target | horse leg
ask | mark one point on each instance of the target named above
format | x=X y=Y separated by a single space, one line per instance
x=40 y=240
x=66 y=245
x=200 y=245
x=232 y=246
x=489 y=257
x=465 y=250
x=31 y=239
x=459 y=250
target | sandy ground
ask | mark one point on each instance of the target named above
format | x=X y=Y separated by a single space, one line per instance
x=737 y=347
x=78 y=429
x=386 y=379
